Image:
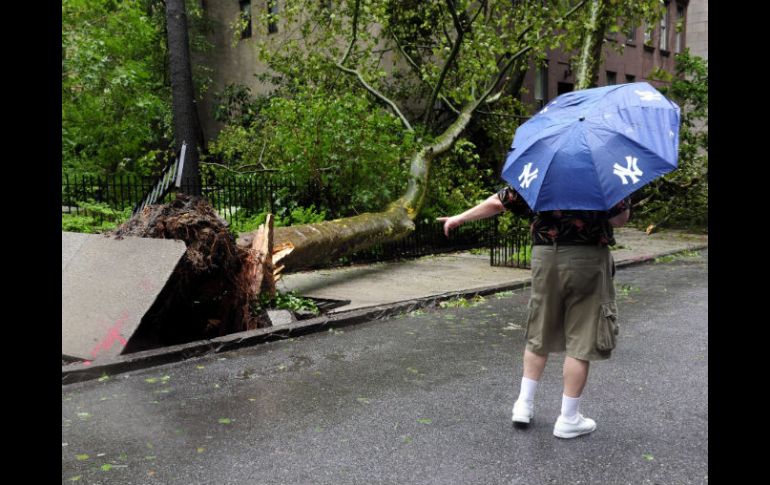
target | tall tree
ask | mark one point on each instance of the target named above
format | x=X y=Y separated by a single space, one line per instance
x=602 y=16
x=116 y=105
x=460 y=51
x=186 y=123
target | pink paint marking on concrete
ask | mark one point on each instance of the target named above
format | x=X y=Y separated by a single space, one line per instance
x=112 y=336
x=147 y=286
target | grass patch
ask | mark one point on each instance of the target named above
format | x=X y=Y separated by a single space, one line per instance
x=463 y=303
x=687 y=254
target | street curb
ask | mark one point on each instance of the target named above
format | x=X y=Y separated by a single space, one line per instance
x=79 y=372
x=645 y=258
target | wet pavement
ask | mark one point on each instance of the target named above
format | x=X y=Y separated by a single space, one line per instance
x=423 y=398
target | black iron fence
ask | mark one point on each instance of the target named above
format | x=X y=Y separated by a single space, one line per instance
x=510 y=244
x=117 y=192
x=231 y=197
x=428 y=238
x=235 y=198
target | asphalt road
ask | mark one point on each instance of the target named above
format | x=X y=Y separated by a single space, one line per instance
x=424 y=398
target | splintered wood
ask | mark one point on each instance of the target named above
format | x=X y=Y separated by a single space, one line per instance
x=265 y=273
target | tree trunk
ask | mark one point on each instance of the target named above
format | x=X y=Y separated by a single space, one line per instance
x=316 y=243
x=186 y=122
x=590 y=60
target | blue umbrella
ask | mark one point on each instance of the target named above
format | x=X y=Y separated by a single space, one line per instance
x=591 y=148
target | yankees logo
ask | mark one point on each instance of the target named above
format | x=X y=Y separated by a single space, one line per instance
x=630 y=170
x=648 y=95
x=526 y=176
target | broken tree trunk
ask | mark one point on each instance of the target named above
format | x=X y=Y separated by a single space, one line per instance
x=316 y=243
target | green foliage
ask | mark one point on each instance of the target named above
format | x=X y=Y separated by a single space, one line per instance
x=116 y=107
x=116 y=96
x=347 y=150
x=244 y=221
x=344 y=154
x=681 y=197
x=288 y=301
x=95 y=218
x=236 y=106
x=458 y=182
x=463 y=302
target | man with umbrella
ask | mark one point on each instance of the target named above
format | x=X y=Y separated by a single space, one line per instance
x=571 y=169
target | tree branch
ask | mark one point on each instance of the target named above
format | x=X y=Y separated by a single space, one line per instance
x=355 y=33
x=378 y=95
x=242 y=167
x=521 y=52
x=417 y=72
x=447 y=65
x=590 y=52
x=455 y=18
x=483 y=6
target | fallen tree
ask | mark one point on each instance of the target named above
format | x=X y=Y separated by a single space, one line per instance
x=216 y=287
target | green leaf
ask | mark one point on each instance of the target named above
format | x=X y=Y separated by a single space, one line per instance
x=648 y=457
x=224 y=421
x=106 y=467
x=81 y=457
x=425 y=421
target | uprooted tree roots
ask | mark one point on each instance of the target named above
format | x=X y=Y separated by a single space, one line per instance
x=212 y=291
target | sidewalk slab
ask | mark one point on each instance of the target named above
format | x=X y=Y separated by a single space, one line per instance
x=107 y=287
x=386 y=283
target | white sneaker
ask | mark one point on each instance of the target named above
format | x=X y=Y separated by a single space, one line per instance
x=522 y=411
x=573 y=427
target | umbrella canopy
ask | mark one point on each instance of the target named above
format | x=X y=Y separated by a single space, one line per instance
x=591 y=148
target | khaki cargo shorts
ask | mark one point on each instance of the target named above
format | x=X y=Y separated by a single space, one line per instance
x=572 y=306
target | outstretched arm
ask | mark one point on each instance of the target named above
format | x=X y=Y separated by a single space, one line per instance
x=490 y=207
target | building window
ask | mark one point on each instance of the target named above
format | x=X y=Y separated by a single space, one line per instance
x=272 y=21
x=647 y=34
x=631 y=35
x=541 y=85
x=612 y=78
x=630 y=78
x=679 y=27
x=245 y=6
x=664 y=30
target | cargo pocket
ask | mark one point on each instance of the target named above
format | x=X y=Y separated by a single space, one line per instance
x=529 y=319
x=607 y=333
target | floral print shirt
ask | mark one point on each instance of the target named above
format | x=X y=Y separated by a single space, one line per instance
x=565 y=226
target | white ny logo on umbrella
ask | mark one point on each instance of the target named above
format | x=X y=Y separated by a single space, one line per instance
x=526 y=176
x=649 y=95
x=630 y=170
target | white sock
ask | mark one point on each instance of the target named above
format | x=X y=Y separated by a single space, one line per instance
x=569 y=406
x=528 y=388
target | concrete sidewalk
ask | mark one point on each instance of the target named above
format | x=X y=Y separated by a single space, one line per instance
x=381 y=290
x=375 y=285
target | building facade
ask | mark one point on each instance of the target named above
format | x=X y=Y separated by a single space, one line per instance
x=644 y=49
x=698 y=28
x=233 y=57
